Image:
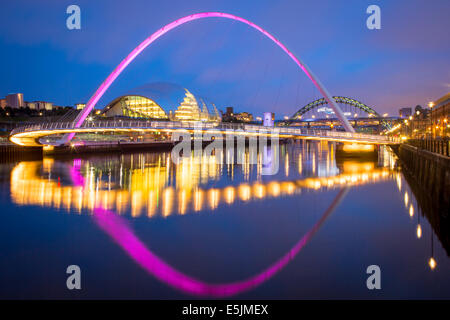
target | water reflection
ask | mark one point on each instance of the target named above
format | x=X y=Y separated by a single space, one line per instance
x=150 y=191
x=150 y=185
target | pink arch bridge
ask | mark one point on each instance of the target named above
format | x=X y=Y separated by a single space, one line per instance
x=125 y=62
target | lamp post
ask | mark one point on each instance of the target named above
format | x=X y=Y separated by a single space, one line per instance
x=431 y=105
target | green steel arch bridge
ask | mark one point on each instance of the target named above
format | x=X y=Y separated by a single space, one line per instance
x=343 y=100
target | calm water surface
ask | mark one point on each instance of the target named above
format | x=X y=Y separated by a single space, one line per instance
x=140 y=226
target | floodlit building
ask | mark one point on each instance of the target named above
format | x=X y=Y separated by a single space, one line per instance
x=440 y=116
x=15 y=100
x=31 y=105
x=80 y=106
x=244 y=117
x=163 y=101
x=43 y=105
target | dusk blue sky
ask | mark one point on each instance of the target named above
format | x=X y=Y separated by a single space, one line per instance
x=403 y=64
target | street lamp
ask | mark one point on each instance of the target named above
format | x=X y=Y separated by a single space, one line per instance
x=431 y=105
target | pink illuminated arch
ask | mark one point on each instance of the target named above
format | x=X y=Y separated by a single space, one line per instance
x=121 y=232
x=125 y=62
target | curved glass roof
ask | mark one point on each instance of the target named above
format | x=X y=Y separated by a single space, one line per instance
x=168 y=96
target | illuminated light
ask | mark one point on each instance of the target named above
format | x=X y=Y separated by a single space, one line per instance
x=229 y=195
x=48 y=148
x=419 y=231
x=151 y=204
x=399 y=183
x=385 y=115
x=213 y=196
x=403 y=138
x=410 y=117
x=432 y=263
x=406 y=199
x=288 y=187
x=313 y=163
x=300 y=165
x=411 y=210
x=118 y=70
x=182 y=202
x=274 y=189
x=354 y=166
x=357 y=147
x=260 y=191
x=146 y=185
x=286 y=166
x=198 y=200
x=167 y=202
x=244 y=192
x=136 y=204
x=431 y=104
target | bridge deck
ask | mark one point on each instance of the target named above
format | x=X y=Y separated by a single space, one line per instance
x=31 y=135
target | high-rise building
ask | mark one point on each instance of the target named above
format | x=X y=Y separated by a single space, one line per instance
x=405 y=112
x=15 y=100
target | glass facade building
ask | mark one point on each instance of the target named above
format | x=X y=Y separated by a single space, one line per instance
x=162 y=101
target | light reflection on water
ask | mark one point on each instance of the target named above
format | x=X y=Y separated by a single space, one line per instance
x=149 y=186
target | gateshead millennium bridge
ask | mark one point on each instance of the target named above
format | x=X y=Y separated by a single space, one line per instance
x=31 y=135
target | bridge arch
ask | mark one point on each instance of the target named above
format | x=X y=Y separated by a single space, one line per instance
x=339 y=99
x=120 y=231
x=133 y=54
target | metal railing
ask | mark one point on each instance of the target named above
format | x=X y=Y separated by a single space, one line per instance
x=191 y=125
x=440 y=146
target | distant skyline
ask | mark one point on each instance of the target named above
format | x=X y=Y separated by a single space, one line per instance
x=404 y=64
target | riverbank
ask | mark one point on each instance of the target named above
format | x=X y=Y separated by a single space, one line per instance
x=428 y=175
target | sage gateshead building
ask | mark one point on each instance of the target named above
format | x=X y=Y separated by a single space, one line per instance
x=162 y=101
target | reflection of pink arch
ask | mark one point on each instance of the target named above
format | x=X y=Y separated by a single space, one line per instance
x=118 y=70
x=120 y=231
